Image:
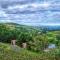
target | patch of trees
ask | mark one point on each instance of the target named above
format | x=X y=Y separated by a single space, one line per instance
x=36 y=40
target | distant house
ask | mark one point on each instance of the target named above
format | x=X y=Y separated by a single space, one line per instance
x=50 y=46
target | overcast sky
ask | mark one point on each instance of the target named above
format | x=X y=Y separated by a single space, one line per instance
x=30 y=12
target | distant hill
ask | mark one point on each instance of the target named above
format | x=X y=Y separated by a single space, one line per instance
x=19 y=26
x=38 y=28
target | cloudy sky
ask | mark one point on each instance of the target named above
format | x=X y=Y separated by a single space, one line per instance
x=30 y=12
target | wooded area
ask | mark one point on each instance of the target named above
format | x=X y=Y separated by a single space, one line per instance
x=31 y=38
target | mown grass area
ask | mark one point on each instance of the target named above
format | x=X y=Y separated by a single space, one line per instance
x=9 y=52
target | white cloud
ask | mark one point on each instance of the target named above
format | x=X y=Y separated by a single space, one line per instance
x=50 y=24
x=30 y=13
x=4 y=17
x=2 y=21
x=31 y=6
x=2 y=13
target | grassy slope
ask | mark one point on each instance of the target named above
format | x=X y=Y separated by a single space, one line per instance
x=8 y=52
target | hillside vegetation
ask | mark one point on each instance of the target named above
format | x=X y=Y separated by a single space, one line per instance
x=42 y=44
x=17 y=53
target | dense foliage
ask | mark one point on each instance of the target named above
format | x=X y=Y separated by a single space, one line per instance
x=41 y=43
x=36 y=39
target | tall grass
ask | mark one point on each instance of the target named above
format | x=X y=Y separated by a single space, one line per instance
x=8 y=52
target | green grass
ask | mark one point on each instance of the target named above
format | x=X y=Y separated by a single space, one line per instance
x=9 y=52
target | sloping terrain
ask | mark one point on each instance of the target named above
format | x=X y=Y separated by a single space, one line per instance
x=36 y=40
x=9 y=52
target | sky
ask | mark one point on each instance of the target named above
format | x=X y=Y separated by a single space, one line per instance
x=30 y=12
